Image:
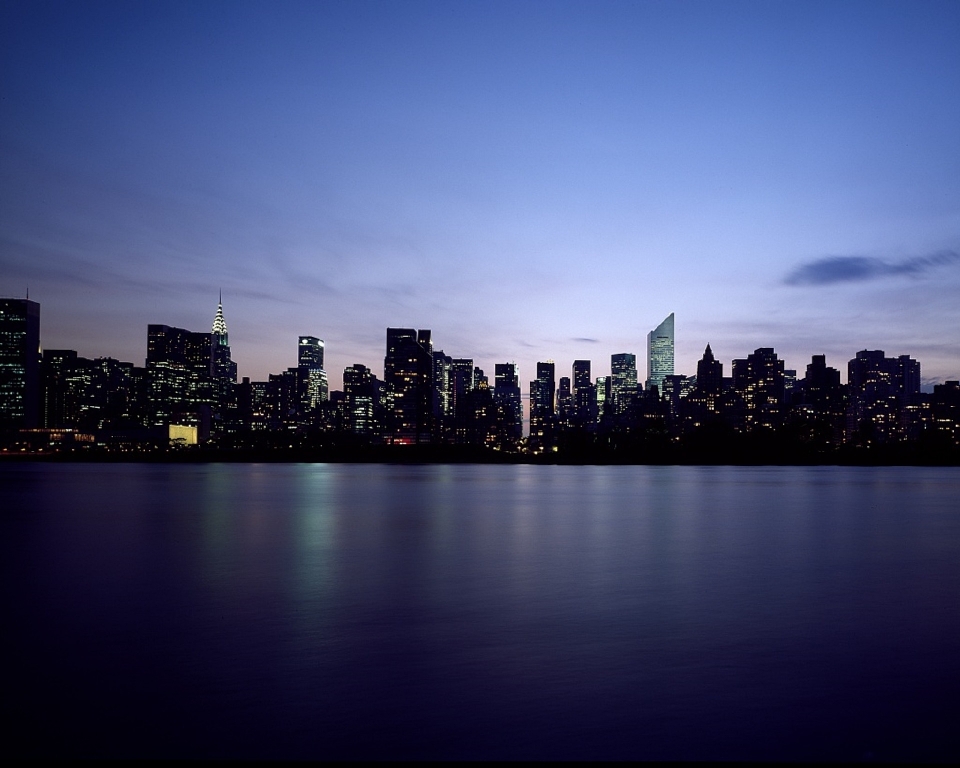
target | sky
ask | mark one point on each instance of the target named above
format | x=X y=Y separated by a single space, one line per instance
x=531 y=181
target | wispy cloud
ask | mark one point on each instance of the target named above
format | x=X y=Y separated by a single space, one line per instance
x=585 y=340
x=850 y=269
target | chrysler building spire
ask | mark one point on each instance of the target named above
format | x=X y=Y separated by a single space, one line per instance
x=220 y=325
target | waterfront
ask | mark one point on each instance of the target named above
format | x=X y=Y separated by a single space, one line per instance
x=320 y=611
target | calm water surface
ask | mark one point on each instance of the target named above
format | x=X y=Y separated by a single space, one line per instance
x=322 y=611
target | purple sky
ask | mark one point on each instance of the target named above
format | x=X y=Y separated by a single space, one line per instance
x=531 y=181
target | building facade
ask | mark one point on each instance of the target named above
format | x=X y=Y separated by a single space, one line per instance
x=660 y=344
x=19 y=364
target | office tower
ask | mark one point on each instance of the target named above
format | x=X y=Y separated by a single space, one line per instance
x=819 y=400
x=584 y=394
x=709 y=375
x=706 y=397
x=945 y=411
x=602 y=386
x=408 y=377
x=884 y=397
x=462 y=382
x=312 y=385
x=675 y=389
x=19 y=364
x=543 y=409
x=623 y=381
x=509 y=407
x=60 y=398
x=180 y=374
x=660 y=353
x=481 y=413
x=361 y=401
x=565 y=410
x=442 y=394
x=759 y=380
x=224 y=369
x=282 y=400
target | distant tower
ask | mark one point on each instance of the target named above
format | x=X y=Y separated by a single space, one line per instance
x=224 y=368
x=509 y=407
x=660 y=353
x=19 y=364
x=409 y=378
x=709 y=374
x=543 y=408
x=623 y=380
x=312 y=385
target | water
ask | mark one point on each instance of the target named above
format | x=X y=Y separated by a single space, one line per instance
x=324 y=611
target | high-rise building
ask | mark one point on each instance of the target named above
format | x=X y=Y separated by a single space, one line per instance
x=408 y=375
x=462 y=382
x=19 y=364
x=759 y=380
x=224 y=369
x=442 y=392
x=362 y=401
x=180 y=374
x=623 y=381
x=584 y=394
x=660 y=353
x=565 y=410
x=884 y=397
x=509 y=406
x=312 y=385
x=709 y=374
x=543 y=409
x=602 y=387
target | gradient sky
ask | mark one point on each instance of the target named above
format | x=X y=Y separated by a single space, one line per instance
x=529 y=180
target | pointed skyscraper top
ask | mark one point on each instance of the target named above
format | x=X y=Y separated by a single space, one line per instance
x=219 y=324
x=708 y=353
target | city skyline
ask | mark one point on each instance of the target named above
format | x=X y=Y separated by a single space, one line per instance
x=309 y=351
x=537 y=180
x=188 y=390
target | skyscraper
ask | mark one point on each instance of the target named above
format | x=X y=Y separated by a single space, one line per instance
x=883 y=393
x=542 y=408
x=623 y=380
x=462 y=382
x=312 y=386
x=408 y=375
x=709 y=374
x=224 y=369
x=509 y=407
x=19 y=364
x=759 y=381
x=660 y=353
x=584 y=393
x=361 y=401
x=180 y=374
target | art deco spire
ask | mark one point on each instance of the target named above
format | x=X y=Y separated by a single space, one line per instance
x=219 y=324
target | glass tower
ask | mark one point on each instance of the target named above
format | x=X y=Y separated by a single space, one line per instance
x=660 y=353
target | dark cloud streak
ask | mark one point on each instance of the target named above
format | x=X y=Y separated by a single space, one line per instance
x=850 y=269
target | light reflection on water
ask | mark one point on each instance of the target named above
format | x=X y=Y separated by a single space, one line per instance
x=483 y=611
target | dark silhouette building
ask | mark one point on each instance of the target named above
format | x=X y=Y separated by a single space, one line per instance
x=759 y=381
x=509 y=407
x=884 y=398
x=19 y=364
x=543 y=411
x=362 y=395
x=623 y=382
x=462 y=378
x=409 y=378
x=182 y=388
x=312 y=384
